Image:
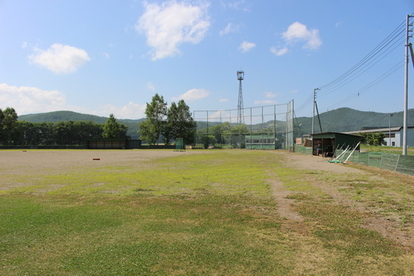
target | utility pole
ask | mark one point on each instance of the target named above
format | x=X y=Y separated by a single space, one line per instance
x=389 y=130
x=314 y=107
x=405 y=119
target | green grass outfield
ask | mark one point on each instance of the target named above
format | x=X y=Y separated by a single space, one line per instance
x=207 y=213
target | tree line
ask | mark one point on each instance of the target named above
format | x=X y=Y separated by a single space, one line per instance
x=70 y=133
x=162 y=124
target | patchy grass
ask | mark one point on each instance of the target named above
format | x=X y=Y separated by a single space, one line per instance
x=202 y=214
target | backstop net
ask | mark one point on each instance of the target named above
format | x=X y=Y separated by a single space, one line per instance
x=263 y=127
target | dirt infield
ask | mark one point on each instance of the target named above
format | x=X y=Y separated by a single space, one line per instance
x=309 y=162
x=15 y=162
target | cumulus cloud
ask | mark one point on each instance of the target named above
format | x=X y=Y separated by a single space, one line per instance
x=193 y=94
x=230 y=28
x=296 y=33
x=172 y=23
x=246 y=46
x=31 y=99
x=60 y=59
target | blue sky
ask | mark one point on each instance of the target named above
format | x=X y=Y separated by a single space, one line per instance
x=103 y=57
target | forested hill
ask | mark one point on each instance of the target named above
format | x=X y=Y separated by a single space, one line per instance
x=61 y=116
x=64 y=116
x=347 y=119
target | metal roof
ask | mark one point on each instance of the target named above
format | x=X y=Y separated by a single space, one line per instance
x=341 y=133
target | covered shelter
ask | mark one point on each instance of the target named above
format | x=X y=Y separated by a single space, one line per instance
x=325 y=143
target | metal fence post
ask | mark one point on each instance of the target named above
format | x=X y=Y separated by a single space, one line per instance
x=396 y=164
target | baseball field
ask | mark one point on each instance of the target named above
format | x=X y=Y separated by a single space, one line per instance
x=201 y=212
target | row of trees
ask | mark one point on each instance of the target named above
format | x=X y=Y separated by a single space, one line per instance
x=162 y=123
x=167 y=124
x=14 y=132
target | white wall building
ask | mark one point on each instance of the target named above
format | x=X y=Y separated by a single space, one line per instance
x=393 y=135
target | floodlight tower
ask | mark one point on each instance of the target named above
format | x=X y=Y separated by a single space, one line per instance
x=240 y=108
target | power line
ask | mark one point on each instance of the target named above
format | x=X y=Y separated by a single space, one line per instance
x=365 y=69
x=399 y=31
x=385 y=75
x=382 y=50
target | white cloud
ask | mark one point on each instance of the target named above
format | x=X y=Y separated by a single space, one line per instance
x=246 y=46
x=128 y=111
x=224 y=100
x=193 y=94
x=298 y=32
x=270 y=95
x=237 y=5
x=60 y=59
x=265 y=102
x=172 y=23
x=27 y=100
x=230 y=28
x=279 y=52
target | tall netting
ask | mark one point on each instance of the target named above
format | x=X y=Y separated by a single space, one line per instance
x=264 y=127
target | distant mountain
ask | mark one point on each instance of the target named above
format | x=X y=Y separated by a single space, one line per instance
x=61 y=116
x=347 y=119
x=338 y=120
x=64 y=116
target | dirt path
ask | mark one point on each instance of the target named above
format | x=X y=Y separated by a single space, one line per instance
x=374 y=221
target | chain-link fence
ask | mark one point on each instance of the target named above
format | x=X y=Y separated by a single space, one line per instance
x=264 y=127
x=387 y=161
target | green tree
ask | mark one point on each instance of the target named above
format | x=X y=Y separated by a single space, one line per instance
x=373 y=139
x=8 y=126
x=112 y=129
x=205 y=138
x=147 y=132
x=156 y=115
x=180 y=123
